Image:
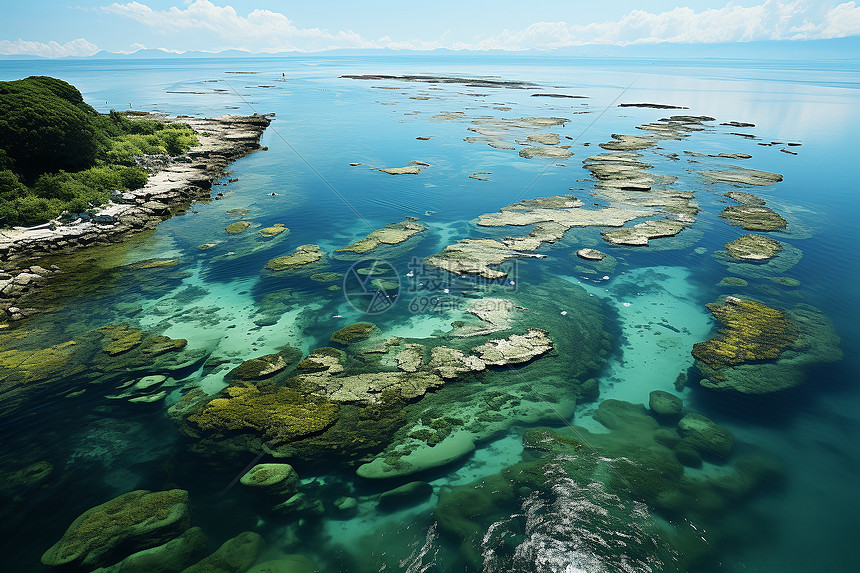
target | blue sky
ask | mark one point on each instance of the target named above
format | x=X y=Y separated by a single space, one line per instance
x=57 y=29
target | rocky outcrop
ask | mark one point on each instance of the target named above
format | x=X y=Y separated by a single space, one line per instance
x=189 y=177
x=753 y=248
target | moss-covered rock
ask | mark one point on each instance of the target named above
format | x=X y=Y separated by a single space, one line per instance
x=302 y=256
x=266 y=366
x=120 y=338
x=815 y=342
x=171 y=557
x=275 y=414
x=237 y=227
x=274 y=479
x=353 y=333
x=753 y=332
x=235 y=555
x=665 y=404
x=753 y=248
x=273 y=231
x=391 y=234
x=706 y=436
x=108 y=532
x=754 y=217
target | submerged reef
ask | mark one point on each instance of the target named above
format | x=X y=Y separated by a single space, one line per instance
x=753 y=248
x=133 y=521
x=581 y=490
x=391 y=234
x=112 y=356
x=303 y=255
x=762 y=349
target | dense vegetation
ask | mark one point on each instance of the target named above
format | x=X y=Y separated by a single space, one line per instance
x=59 y=154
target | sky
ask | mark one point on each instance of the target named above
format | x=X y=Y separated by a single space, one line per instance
x=58 y=29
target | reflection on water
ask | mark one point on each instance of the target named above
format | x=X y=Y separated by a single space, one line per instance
x=623 y=488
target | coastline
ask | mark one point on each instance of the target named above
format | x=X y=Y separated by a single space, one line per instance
x=182 y=180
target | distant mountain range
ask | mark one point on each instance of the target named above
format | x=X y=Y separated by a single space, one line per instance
x=834 y=49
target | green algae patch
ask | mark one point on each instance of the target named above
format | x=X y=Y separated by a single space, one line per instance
x=732 y=282
x=815 y=343
x=391 y=234
x=353 y=333
x=25 y=366
x=120 y=338
x=265 y=366
x=133 y=521
x=754 y=332
x=754 y=217
x=753 y=248
x=278 y=414
x=237 y=227
x=303 y=255
x=326 y=277
x=273 y=231
x=154 y=264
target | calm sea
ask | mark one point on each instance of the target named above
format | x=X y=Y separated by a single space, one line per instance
x=323 y=123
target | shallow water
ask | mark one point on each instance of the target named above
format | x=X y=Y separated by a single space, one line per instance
x=652 y=300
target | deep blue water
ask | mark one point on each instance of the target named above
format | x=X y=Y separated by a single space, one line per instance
x=324 y=122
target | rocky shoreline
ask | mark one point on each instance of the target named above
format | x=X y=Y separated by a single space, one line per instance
x=174 y=182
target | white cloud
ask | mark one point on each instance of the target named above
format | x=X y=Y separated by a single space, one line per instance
x=79 y=47
x=268 y=31
x=259 y=31
x=767 y=21
x=841 y=21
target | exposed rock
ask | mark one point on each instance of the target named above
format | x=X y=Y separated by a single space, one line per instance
x=237 y=227
x=753 y=248
x=720 y=155
x=273 y=231
x=265 y=366
x=234 y=556
x=552 y=217
x=705 y=436
x=544 y=138
x=652 y=105
x=391 y=234
x=353 y=333
x=640 y=234
x=133 y=521
x=274 y=479
x=545 y=151
x=627 y=143
x=408 y=170
x=411 y=358
x=745 y=198
x=590 y=254
x=451 y=362
x=304 y=255
x=754 y=217
x=515 y=349
x=743 y=175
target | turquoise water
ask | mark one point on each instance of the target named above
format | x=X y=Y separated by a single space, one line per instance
x=653 y=303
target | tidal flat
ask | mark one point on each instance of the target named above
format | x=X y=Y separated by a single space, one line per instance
x=555 y=333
